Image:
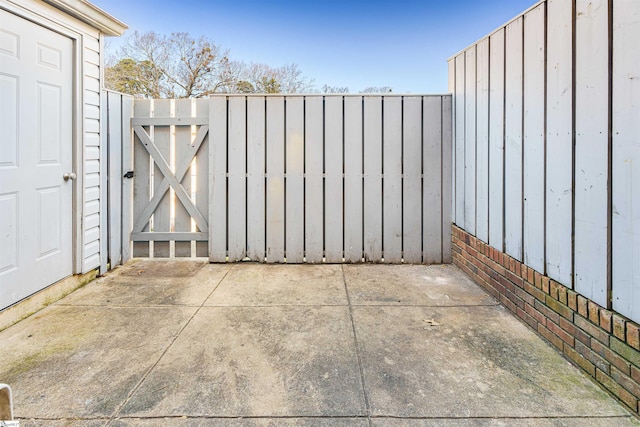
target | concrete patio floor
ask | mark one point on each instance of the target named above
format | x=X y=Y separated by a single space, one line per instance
x=187 y=343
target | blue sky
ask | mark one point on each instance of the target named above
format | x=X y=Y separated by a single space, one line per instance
x=356 y=43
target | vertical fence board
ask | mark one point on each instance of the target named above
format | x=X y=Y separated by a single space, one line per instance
x=470 y=141
x=116 y=122
x=496 y=139
x=372 y=178
x=314 y=201
x=294 y=167
x=256 y=177
x=162 y=214
x=591 y=151
x=392 y=181
x=452 y=90
x=482 y=141
x=237 y=125
x=275 y=179
x=218 y=180
x=412 y=182
x=202 y=177
x=534 y=138
x=353 y=202
x=141 y=187
x=626 y=159
x=513 y=140
x=127 y=184
x=459 y=124
x=182 y=142
x=333 y=181
x=559 y=214
x=432 y=181
x=445 y=165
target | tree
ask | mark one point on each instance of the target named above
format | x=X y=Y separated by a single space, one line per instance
x=378 y=89
x=334 y=89
x=176 y=66
x=138 y=78
x=151 y=65
x=266 y=79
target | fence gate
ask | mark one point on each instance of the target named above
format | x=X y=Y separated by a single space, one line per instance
x=313 y=178
x=171 y=176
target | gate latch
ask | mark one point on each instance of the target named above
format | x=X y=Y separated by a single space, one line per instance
x=128 y=175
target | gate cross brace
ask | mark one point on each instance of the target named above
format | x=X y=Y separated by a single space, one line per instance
x=171 y=180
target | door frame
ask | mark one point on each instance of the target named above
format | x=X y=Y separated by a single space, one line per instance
x=77 y=126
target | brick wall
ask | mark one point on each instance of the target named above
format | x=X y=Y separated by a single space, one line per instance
x=601 y=342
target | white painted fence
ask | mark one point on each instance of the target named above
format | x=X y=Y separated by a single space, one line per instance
x=294 y=178
x=117 y=110
x=547 y=148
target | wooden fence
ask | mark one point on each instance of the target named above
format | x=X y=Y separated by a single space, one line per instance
x=546 y=147
x=294 y=178
x=117 y=110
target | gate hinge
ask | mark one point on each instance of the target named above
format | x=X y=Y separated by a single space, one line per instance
x=128 y=175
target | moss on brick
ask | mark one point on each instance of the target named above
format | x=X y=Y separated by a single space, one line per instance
x=631 y=354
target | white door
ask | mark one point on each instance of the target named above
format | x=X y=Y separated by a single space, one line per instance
x=36 y=76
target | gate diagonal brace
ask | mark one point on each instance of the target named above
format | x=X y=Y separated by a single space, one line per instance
x=171 y=180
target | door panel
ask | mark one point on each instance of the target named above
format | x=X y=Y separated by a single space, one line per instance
x=36 y=77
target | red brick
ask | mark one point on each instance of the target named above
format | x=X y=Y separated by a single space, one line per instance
x=525 y=296
x=547 y=312
x=632 y=386
x=537 y=293
x=553 y=289
x=527 y=318
x=619 y=327
x=514 y=299
x=594 y=313
x=605 y=320
x=507 y=303
x=515 y=279
x=579 y=360
x=591 y=329
x=472 y=252
x=537 y=279
x=524 y=272
x=535 y=314
x=562 y=295
x=576 y=332
x=497 y=268
x=564 y=336
x=572 y=300
x=635 y=374
x=617 y=390
x=530 y=275
x=551 y=337
x=518 y=269
x=545 y=284
x=593 y=357
x=615 y=360
x=512 y=265
x=506 y=283
x=561 y=309
x=582 y=306
x=633 y=335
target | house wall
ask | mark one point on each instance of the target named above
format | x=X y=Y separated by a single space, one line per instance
x=546 y=172
x=87 y=155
